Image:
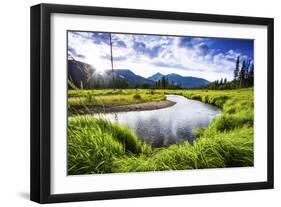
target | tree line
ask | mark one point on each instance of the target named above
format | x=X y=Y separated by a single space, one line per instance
x=164 y=83
x=243 y=77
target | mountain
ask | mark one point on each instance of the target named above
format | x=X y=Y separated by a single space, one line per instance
x=79 y=72
x=84 y=75
x=132 y=78
x=184 y=82
x=156 y=77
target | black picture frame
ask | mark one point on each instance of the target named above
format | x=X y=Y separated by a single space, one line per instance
x=41 y=97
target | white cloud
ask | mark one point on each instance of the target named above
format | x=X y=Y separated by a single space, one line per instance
x=83 y=44
x=156 y=54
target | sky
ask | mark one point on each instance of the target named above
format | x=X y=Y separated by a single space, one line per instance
x=145 y=55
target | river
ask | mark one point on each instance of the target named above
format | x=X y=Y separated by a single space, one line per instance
x=163 y=127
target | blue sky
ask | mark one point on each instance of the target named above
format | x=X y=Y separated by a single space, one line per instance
x=145 y=55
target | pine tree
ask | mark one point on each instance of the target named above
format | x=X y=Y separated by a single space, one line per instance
x=225 y=81
x=251 y=75
x=247 y=75
x=236 y=71
x=242 y=74
x=163 y=82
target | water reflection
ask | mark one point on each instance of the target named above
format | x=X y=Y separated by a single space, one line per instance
x=163 y=127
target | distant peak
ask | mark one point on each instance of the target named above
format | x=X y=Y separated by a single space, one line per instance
x=157 y=75
x=174 y=74
x=125 y=70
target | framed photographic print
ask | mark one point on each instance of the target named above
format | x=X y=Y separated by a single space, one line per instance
x=132 y=103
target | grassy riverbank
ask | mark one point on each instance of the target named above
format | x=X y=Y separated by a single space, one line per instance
x=112 y=97
x=98 y=146
x=88 y=101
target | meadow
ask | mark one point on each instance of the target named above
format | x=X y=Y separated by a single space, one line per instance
x=79 y=101
x=96 y=145
x=111 y=97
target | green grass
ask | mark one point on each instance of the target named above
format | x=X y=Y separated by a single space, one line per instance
x=227 y=149
x=98 y=146
x=94 y=143
x=111 y=97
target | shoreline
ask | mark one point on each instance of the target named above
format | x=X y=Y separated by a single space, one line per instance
x=153 y=105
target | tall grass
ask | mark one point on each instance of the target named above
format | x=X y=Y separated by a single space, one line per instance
x=98 y=146
x=224 y=149
x=93 y=144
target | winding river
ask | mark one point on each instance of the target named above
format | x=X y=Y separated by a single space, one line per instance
x=163 y=127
